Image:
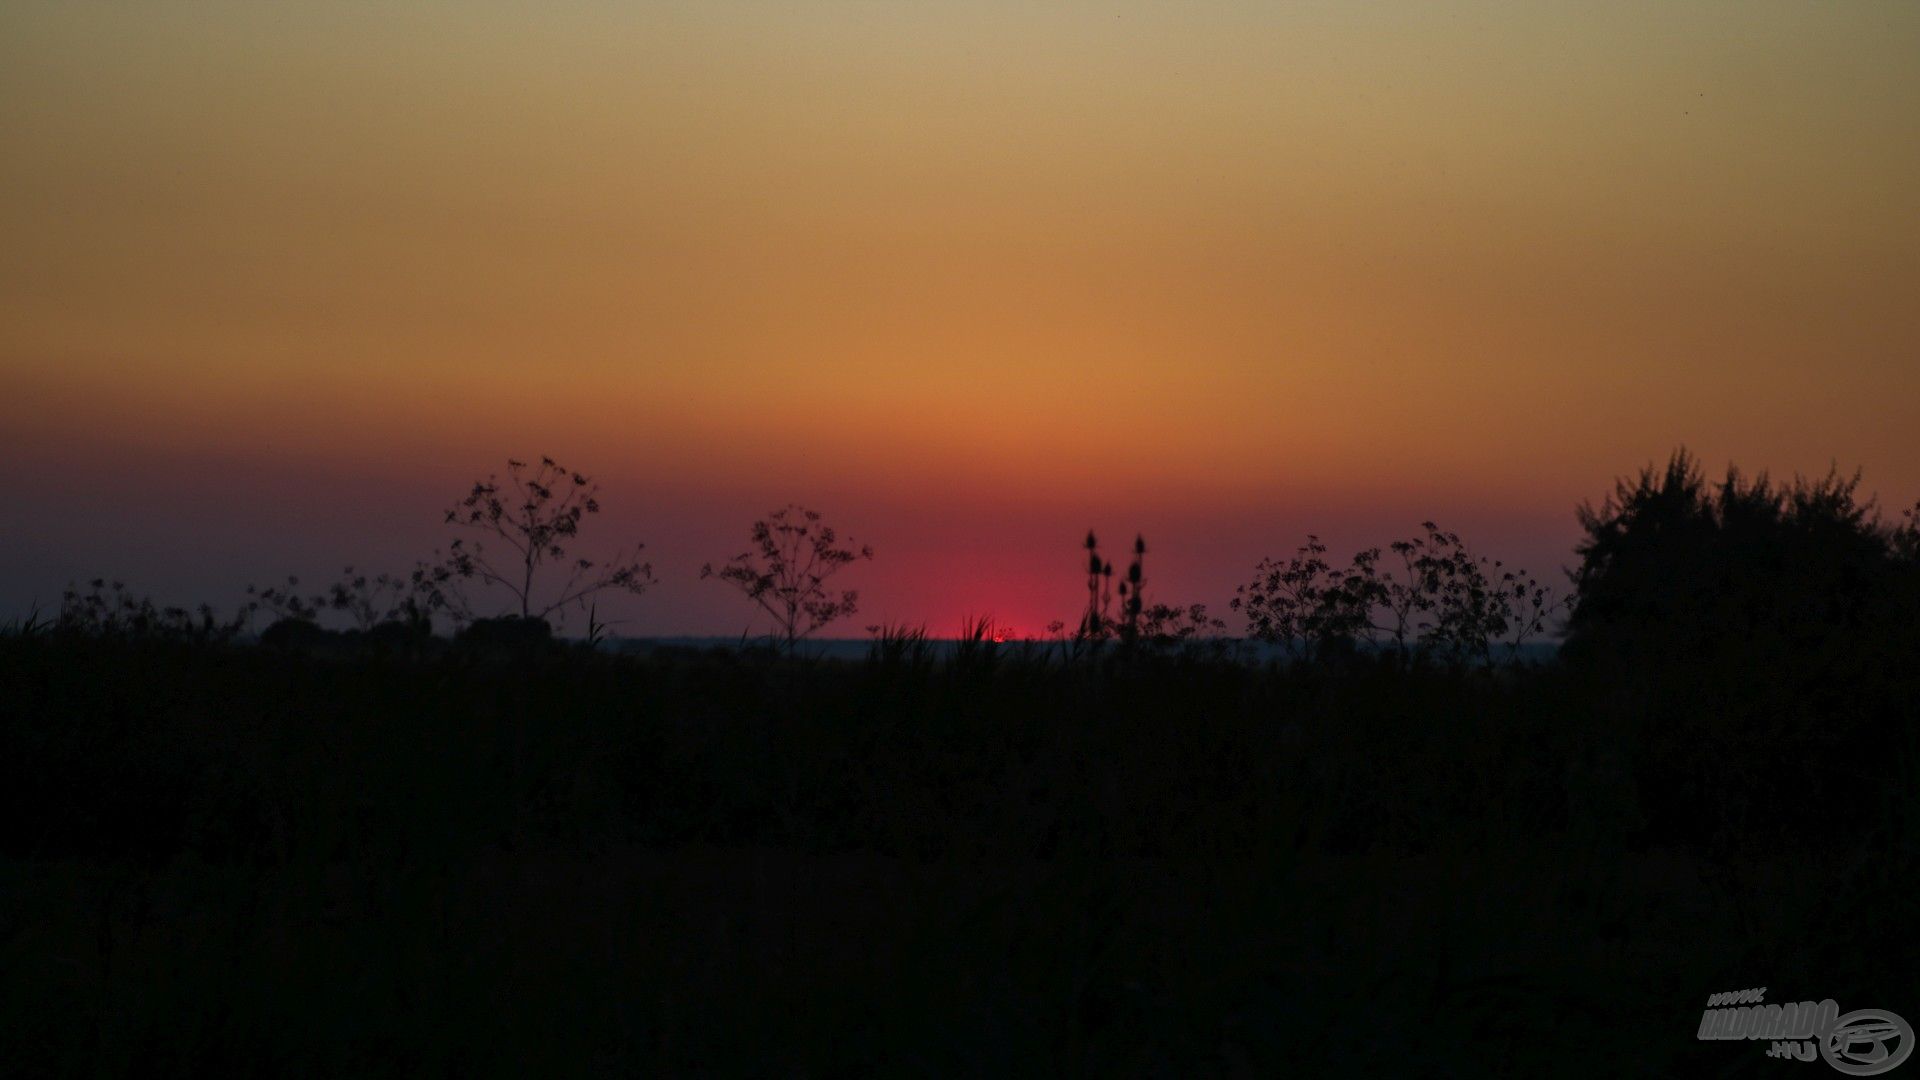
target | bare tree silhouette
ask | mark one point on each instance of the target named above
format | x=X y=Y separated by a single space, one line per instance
x=1676 y=565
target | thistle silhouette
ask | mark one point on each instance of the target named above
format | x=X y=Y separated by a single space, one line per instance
x=1137 y=624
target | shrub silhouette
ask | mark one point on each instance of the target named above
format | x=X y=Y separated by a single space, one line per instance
x=508 y=633
x=1305 y=605
x=109 y=609
x=294 y=635
x=786 y=571
x=1442 y=602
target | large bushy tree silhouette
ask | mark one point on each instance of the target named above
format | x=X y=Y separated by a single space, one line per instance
x=1675 y=568
x=1756 y=640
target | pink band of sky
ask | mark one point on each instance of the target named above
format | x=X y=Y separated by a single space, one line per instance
x=278 y=281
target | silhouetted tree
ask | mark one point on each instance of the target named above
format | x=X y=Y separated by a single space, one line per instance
x=1764 y=635
x=535 y=516
x=1906 y=538
x=786 y=571
x=1676 y=569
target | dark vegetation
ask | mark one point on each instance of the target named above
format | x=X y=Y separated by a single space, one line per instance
x=785 y=572
x=1119 y=853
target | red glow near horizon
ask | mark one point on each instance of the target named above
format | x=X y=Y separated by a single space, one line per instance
x=1222 y=279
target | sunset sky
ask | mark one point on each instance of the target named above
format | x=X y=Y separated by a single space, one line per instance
x=278 y=281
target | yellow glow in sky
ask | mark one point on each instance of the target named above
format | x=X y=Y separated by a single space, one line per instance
x=1256 y=268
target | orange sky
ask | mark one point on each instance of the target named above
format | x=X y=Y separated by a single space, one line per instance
x=278 y=280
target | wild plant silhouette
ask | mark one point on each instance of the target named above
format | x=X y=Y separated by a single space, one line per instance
x=785 y=573
x=529 y=524
x=367 y=601
x=1137 y=626
x=1437 y=601
x=109 y=609
x=535 y=516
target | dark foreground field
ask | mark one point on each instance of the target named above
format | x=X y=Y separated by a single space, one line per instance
x=223 y=860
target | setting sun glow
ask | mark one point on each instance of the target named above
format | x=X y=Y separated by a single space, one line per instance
x=280 y=281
